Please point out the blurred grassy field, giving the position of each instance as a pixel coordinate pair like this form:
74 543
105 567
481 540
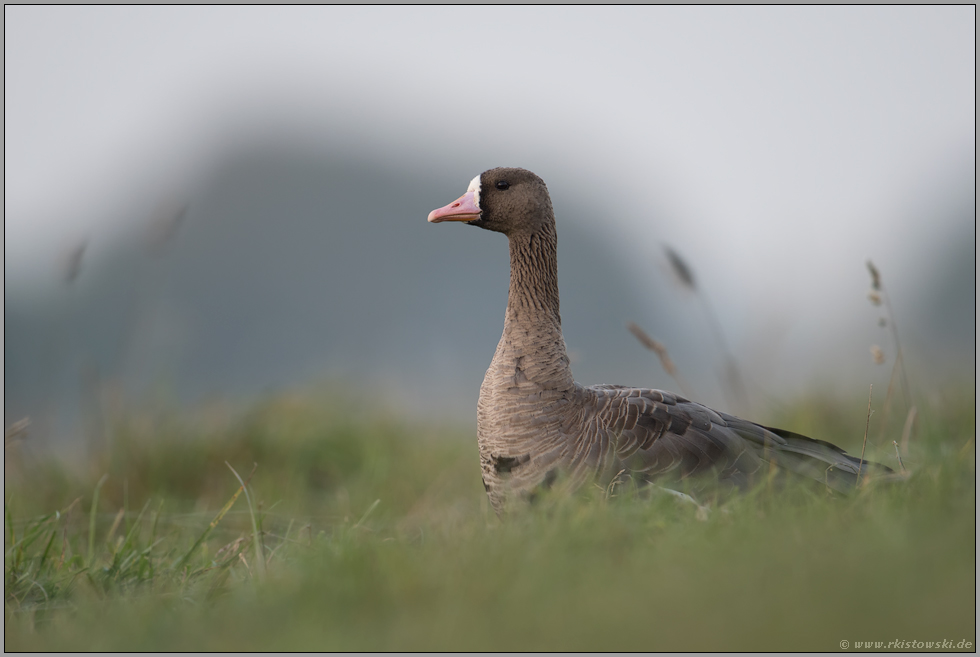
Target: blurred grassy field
374 534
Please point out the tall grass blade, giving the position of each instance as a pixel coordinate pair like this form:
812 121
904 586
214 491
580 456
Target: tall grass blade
256 537
214 523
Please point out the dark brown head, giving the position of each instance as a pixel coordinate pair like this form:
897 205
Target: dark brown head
505 200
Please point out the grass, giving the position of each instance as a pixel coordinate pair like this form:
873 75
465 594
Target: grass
356 534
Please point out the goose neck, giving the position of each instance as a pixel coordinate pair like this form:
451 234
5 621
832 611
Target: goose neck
533 295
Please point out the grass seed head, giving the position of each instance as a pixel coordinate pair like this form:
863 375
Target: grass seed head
875 276
680 268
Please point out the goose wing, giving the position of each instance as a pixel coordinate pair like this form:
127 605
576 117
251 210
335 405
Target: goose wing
654 434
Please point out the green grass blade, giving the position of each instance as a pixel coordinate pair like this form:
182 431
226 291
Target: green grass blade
30 535
156 520
10 523
47 548
91 519
370 509
137 524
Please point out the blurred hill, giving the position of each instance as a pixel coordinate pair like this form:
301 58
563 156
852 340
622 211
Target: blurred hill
288 267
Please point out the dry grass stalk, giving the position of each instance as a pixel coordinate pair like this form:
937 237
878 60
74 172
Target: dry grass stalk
879 295
611 488
16 430
658 348
866 425
71 265
247 567
889 396
734 383
771 474
655 346
899 455
230 547
115 525
165 224
907 429
256 536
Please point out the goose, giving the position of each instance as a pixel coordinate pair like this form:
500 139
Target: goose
535 423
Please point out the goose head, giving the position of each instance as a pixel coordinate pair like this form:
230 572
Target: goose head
505 200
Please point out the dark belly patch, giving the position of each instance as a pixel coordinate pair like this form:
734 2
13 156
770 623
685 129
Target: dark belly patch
504 464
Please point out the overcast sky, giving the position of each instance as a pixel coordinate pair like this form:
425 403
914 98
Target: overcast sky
808 135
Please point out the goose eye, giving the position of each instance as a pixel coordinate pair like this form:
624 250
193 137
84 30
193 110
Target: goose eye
503 184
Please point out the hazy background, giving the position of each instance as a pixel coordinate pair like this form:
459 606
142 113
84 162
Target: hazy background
216 202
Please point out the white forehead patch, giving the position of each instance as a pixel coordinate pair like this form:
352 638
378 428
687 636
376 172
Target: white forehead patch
475 187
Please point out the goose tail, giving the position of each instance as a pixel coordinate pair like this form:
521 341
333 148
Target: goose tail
822 461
